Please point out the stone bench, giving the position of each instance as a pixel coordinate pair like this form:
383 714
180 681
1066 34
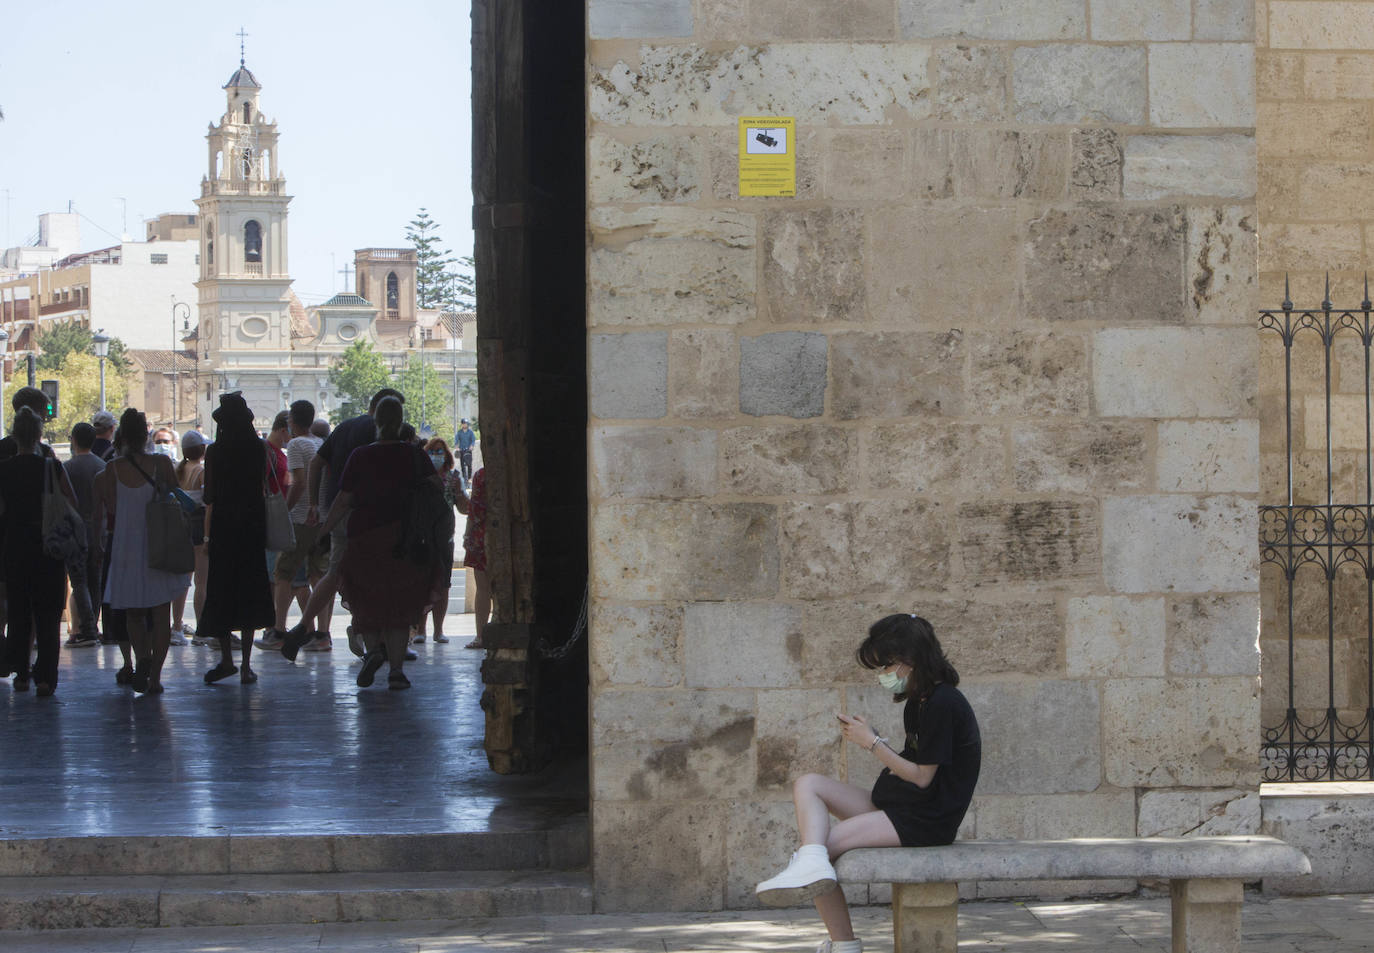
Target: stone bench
1206 877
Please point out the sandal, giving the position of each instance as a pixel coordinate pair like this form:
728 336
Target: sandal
222 670
440 638
247 676
474 644
397 681
124 676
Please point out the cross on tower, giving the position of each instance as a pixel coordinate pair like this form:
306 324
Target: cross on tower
241 35
346 271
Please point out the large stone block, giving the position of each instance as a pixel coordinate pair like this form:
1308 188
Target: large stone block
810 271
1221 264
741 644
784 19
1013 716
1166 166
1208 813
818 83
1335 130
1208 456
638 18
759 838
670 266
1227 99
797 733
1087 456
1130 20
1106 263
971 83
1111 636
839 549
1180 544
1296 247
1068 83
994 19
653 462
1214 635
933 265
1303 25
635 645
865 164
654 169
1329 190
653 552
1200 732
783 373
1335 833
1329 75
936 457
703 373
1280 75
673 745
1029 541
1095 164
1224 20
1029 373
629 374
1103 813
788 461
1175 372
660 855
981 637
897 374
993 164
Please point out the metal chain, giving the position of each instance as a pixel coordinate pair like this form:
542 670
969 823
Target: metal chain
579 629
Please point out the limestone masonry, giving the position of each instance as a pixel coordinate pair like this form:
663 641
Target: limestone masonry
995 363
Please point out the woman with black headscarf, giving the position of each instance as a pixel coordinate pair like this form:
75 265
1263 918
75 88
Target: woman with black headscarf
238 595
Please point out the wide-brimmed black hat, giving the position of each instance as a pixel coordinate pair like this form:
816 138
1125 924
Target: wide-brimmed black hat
232 409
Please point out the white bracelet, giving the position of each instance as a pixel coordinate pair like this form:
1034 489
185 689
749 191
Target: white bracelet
877 739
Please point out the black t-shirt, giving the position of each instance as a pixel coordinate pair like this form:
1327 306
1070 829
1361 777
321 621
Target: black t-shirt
942 731
338 447
21 487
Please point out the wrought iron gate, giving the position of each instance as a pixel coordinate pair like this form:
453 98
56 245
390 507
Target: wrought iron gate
1321 546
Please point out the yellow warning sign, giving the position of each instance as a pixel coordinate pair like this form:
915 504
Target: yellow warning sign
767 155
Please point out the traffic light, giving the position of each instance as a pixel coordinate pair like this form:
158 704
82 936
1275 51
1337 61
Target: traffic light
49 389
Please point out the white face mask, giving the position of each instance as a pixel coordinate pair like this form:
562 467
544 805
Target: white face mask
165 449
437 459
894 683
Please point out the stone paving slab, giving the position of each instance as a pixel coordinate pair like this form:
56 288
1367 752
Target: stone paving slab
1285 925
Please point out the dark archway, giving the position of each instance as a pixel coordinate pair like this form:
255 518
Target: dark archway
529 201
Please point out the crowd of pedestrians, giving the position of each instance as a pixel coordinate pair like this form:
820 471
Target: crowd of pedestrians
301 513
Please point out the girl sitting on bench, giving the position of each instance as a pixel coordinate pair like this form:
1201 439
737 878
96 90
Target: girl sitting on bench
919 799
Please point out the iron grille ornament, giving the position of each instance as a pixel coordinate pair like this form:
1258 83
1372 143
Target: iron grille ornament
1311 543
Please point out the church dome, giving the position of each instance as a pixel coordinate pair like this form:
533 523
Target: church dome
243 77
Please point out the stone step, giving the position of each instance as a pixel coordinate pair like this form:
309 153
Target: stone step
61 903
562 845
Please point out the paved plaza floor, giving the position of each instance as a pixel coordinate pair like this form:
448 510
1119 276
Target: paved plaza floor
303 751
1286 925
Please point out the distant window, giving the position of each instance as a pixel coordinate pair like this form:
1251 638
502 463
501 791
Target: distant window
252 241
190 219
158 258
393 292
197 259
210 252
247 113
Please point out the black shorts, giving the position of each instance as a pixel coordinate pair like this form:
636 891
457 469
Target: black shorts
900 801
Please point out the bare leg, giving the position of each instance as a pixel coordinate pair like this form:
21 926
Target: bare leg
326 612
281 601
322 597
179 610
160 637
202 574
246 673
481 603
396 640
873 829
439 610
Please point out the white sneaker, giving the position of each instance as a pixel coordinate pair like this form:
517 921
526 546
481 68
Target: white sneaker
177 637
841 946
809 875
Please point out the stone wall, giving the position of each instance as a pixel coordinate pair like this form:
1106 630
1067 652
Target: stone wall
995 364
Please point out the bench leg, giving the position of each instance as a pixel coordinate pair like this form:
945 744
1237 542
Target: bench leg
925 918
1206 915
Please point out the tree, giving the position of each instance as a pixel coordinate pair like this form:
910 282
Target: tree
462 286
428 400
432 263
357 374
79 381
56 343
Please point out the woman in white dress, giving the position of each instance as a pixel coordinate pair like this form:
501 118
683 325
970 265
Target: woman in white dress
126 487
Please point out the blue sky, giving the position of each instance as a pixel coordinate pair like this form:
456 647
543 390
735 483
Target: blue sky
110 101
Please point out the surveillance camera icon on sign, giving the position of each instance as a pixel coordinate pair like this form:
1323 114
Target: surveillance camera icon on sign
766 141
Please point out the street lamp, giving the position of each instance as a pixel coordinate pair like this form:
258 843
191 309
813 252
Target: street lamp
186 317
4 346
453 344
101 342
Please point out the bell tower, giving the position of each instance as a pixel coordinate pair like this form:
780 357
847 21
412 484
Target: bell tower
244 283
